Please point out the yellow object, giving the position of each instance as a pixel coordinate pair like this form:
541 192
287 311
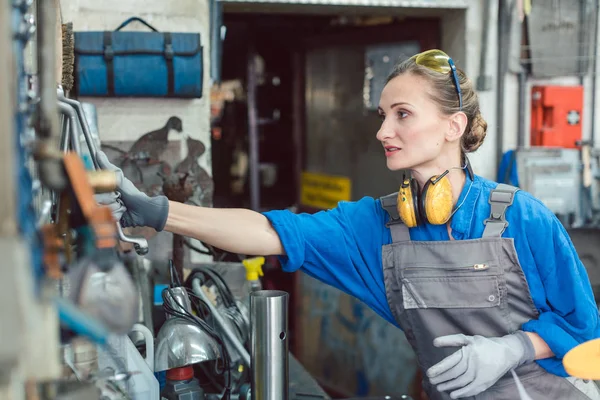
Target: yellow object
440 62
431 205
323 191
406 205
253 268
583 361
436 60
527 7
437 202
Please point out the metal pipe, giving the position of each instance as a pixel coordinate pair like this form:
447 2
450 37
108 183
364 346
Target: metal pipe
583 59
216 42
504 30
65 136
269 341
230 335
484 81
8 200
500 77
47 124
594 72
521 129
87 134
253 131
73 125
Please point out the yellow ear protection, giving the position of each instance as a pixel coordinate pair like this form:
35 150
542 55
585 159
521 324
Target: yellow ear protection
431 205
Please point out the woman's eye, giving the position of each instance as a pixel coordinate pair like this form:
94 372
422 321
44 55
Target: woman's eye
402 114
382 116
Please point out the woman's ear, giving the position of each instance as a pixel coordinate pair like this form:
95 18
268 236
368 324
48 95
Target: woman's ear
458 123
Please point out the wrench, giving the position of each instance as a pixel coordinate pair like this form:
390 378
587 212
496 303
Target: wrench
140 244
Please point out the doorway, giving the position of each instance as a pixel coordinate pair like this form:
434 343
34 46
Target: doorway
316 111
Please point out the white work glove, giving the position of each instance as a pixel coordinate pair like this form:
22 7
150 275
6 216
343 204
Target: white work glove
130 206
479 363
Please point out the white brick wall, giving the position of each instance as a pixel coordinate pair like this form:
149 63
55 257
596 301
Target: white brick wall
127 119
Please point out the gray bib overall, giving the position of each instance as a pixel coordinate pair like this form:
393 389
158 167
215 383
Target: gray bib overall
474 287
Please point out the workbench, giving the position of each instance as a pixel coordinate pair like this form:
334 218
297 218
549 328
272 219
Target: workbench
302 384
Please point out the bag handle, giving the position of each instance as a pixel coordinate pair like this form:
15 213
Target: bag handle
138 19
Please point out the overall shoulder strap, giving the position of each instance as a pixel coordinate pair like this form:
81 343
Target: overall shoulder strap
500 199
398 229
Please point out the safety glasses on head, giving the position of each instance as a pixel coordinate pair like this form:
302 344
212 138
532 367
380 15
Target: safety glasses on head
438 61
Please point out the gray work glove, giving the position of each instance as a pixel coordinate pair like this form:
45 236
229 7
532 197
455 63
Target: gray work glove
131 206
112 201
479 363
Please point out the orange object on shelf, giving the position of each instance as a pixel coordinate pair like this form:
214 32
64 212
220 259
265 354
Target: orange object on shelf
556 116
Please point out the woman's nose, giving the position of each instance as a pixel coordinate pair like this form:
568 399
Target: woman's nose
385 132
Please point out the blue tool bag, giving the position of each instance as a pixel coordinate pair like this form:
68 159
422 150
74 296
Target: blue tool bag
138 64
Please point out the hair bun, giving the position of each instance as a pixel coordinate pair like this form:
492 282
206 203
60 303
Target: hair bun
473 139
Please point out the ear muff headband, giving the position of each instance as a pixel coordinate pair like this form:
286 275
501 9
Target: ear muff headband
416 201
433 204
423 200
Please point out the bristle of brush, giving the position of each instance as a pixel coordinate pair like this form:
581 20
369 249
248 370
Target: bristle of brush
68 59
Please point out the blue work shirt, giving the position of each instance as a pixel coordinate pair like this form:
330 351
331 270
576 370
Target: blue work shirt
342 247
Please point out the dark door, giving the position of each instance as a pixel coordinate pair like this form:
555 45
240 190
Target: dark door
344 77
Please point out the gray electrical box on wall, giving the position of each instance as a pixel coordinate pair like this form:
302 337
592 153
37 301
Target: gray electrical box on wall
379 62
560 35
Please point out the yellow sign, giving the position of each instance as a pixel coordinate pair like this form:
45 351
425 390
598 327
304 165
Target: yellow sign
323 191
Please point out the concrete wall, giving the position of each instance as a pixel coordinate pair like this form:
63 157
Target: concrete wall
462 35
121 119
511 98
462 40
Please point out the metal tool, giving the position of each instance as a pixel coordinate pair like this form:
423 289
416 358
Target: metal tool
140 244
78 108
269 341
227 328
74 108
180 342
70 134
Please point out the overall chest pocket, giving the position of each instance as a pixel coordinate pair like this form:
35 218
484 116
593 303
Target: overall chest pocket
469 286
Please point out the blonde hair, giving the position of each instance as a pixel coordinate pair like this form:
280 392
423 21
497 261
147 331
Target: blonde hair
445 95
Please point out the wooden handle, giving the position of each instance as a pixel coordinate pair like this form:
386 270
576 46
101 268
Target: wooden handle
103 181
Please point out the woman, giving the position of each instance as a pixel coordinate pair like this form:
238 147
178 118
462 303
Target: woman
483 279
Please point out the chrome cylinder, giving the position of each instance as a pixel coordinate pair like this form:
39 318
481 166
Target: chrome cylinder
269 341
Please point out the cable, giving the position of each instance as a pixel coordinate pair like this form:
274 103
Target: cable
204 326
175 280
208 274
187 316
211 250
229 307
208 252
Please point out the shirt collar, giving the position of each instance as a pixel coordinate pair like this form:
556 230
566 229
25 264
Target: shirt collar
463 217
